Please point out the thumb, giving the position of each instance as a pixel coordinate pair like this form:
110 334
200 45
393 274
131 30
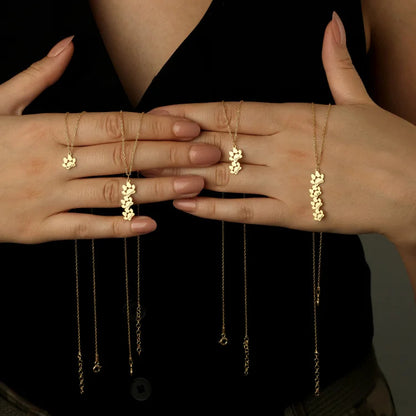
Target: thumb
345 83
18 92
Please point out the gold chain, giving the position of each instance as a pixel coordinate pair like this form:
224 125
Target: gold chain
139 314
224 339
70 144
318 178
97 366
70 161
246 339
128 190
234 169
235 154
78 315
315 192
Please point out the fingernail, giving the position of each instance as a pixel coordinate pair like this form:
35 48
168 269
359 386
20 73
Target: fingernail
187 205
188 185
338 30
143 225
60 46
203 154
159 112
186 128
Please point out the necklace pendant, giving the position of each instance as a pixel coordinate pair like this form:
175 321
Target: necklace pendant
317 179
69 162
235 155
126 203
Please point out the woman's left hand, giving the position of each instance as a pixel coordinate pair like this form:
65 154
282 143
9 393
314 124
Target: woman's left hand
369 159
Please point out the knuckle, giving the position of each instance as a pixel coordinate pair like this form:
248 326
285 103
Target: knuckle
158 189
81 231
111 125
173 155
33 71
157 128
346 63
117 228
118 155
111 191
222 175
212 209
220 118
216 139
245 214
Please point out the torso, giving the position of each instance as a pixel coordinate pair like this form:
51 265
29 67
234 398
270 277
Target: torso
140 36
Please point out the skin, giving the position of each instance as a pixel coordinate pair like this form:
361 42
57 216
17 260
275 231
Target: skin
370 184
37 193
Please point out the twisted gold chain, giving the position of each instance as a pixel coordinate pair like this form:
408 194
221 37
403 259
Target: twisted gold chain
128 190
234 169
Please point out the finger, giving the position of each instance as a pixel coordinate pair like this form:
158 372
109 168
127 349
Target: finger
244 210
109 160
255 118
344 81
257 150
106 192
76 226
250 180
96 128
18 92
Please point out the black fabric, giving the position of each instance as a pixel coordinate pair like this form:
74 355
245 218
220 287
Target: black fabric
256 51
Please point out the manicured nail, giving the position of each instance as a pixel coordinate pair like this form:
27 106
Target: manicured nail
186 128
159 112
203 154
187 205
338 30
188 185
60 46
143 225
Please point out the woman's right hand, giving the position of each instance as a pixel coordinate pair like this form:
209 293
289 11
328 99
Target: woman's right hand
38 195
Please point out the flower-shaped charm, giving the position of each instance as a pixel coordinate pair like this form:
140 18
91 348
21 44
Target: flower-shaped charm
69 162
317 179
235 155
127 191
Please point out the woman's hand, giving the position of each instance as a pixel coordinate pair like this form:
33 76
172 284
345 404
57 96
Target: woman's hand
37 193
368 160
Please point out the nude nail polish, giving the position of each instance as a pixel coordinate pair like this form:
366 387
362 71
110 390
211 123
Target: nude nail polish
338 30
60 47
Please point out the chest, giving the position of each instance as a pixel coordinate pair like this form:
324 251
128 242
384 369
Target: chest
140 36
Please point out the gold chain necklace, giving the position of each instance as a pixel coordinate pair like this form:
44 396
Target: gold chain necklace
235 167
316 180
127 191
69 162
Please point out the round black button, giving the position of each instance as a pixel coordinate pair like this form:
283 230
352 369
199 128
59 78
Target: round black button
140 389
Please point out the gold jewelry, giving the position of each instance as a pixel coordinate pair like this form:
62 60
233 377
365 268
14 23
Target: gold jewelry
128 189
128 214
97 366
70 161
139 314
246 345
79 353
224 339
235 154
318 178
234 169
316 288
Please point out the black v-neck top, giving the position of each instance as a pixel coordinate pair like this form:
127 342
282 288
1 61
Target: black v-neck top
266 51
